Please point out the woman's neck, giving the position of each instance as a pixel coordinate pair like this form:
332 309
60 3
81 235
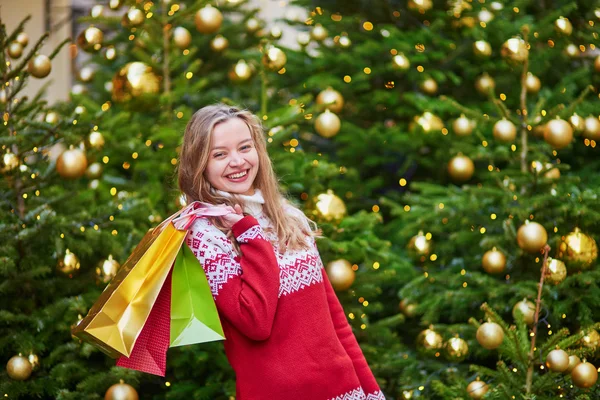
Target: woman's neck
253 204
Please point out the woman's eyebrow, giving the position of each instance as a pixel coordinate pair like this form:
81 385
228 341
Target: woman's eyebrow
224 147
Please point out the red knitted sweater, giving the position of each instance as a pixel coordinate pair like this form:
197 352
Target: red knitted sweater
286 333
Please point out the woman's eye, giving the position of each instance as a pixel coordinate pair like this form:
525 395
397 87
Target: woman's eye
217 155
246 147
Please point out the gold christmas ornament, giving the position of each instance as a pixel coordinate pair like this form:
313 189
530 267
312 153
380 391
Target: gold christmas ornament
39 66
429 86
573 362
456 349
563 26
557 360
577 123
23 39
484 83
15 50
572 50
252 25
110 53
477 389
420 5
303 38
527 308
333 99
115 4
400 61
9 162
558 133
597 64
505 131
94 171
275 32
19 368
461 168
327 124
429 122
329 207
344 41
90 40
429 342
481 48
591 340
132 18
71 164
485 16
578 250
121 391
107 269
78 89
274 58
340 274
182 37
591 128
407 394
407 308
208 19
532 237
551 171
240 72
532 83
494 261
318 32
420 246
463 126
219 43
96 140
490 335
515 49
97 11
584 375
557 271
86 74
135 79
69 264
34 360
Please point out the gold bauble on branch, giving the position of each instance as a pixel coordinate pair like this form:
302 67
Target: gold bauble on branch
340 274
531 237
515 49
573 362
107 269
327 124
333 99
39 66
591 129
532 83
400 61
557 360
90 40
275 32
429 86
303 38
344 41
110 53
494 261
97 11
481 48
240 72
115 4
572 50
484 83
19 368
556 272
9 162
591 340
429 342
133 17
505 131
71 164
558 133
219 43
69 263
420 5
563 26
274 58
253 25
577 122
328 207
121 391
86 74
96 140
456 349
15 50
485 16
318 32
94 171
461 168
527 308
477 389
578 250
584 375
182 37
420 246
34 360
408 308
490 335
208 19
135 79
429 122
23 39
463 126
551 172
597 64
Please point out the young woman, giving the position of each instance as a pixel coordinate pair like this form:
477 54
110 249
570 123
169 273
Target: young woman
287 337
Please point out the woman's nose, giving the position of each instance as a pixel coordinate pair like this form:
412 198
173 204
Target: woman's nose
236 159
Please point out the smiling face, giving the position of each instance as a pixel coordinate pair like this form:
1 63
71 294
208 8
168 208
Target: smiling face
233 160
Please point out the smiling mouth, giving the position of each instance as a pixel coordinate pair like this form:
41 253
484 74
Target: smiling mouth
238 175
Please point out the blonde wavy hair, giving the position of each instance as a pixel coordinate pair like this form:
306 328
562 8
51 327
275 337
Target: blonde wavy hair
290 225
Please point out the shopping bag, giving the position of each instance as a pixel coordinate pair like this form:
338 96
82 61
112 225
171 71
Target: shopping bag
194 316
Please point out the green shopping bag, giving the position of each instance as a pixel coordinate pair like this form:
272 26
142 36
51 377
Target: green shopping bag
194 316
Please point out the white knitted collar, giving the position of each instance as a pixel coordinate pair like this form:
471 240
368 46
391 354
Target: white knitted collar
253 204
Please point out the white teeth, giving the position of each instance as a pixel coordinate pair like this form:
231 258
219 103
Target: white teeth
239 175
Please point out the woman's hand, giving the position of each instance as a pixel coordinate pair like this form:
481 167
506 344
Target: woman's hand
232 218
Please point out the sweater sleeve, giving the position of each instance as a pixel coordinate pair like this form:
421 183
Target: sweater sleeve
346 337
246 287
